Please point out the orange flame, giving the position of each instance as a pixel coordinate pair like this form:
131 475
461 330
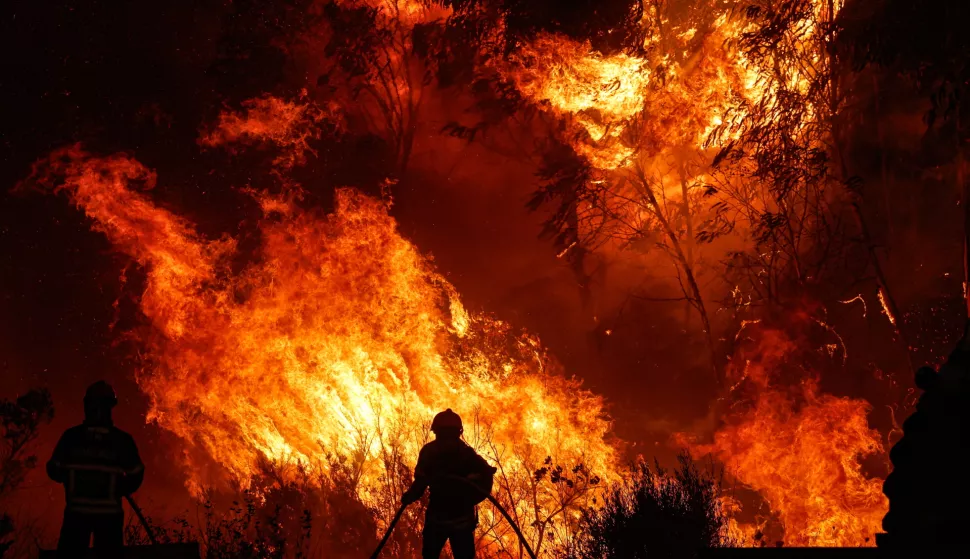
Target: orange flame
881 294
599 92
405 12
802 450
342 340
805 461
603 96
289 125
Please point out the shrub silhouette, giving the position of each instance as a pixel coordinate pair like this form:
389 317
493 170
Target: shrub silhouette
310 515
655 514
20 423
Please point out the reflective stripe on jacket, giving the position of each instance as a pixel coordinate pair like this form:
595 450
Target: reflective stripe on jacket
98 466
451 501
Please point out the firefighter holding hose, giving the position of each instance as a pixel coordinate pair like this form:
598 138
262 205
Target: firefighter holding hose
458 479
98 464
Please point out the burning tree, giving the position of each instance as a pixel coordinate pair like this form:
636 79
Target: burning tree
924 42
724 132
383 58
637 122
793 142
721 126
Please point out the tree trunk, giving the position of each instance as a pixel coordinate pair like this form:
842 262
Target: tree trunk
962 185
694 290
886 295
689 221
886 180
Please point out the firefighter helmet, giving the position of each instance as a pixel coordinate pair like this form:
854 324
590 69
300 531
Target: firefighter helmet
101 393
445 420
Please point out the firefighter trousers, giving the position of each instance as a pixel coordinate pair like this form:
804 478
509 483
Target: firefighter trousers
77 530
462 540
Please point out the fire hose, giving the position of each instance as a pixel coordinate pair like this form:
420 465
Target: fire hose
501 509
141 517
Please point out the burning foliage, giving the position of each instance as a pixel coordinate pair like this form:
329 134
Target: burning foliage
288 125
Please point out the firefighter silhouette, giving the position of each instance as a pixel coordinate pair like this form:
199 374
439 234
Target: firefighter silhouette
928 490
98 464
458 479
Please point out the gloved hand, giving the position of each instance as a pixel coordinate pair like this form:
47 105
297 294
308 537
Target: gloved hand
411 495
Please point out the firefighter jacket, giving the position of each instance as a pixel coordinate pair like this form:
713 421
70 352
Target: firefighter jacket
98 465
452 501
